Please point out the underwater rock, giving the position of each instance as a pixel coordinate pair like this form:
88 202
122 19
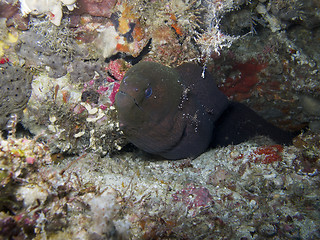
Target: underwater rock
7 10
83 71
310 105
10 11
96 8
46 45
175 113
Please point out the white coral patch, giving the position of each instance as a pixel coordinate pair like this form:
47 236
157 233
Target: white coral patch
51 7
30 194
107 41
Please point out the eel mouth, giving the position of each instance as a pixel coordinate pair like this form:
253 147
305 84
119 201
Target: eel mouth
124 99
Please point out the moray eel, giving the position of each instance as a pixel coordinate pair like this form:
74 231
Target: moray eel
175 113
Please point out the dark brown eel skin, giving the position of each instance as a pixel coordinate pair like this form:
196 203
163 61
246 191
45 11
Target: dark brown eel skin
176 113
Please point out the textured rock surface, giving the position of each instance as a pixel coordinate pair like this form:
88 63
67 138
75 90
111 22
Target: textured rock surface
246 191
15 90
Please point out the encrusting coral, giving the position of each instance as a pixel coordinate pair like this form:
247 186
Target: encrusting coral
15 90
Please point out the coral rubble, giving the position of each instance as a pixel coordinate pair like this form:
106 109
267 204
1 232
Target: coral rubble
230 192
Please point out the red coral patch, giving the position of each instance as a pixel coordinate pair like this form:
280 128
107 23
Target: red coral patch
241 86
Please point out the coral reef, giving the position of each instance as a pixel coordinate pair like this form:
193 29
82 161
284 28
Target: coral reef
76 177
277 51
67 77
19 160
229 192
71 120
46 45
123 34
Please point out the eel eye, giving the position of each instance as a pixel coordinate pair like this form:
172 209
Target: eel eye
148 92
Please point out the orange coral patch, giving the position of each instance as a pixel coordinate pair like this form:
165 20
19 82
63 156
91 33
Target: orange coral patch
177 29
138 32
123 25
122 48
175 25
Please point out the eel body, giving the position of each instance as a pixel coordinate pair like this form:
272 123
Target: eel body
175 113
